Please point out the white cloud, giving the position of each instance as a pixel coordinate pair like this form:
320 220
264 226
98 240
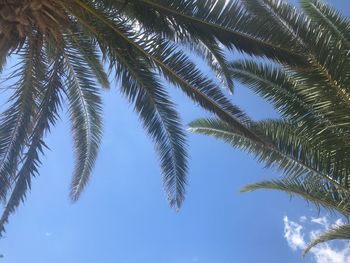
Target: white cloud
326 254
321 221
294 234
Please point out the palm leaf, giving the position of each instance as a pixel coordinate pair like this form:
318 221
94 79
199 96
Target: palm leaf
329 18
85 113
16 121
314 43
154 107
216 60
213 20
296 96
289 150
311 188
335 233
161 122
88 50
46 115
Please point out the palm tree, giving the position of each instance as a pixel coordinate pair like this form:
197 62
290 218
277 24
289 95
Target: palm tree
62 49
310 145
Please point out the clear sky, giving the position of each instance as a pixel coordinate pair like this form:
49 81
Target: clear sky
123 215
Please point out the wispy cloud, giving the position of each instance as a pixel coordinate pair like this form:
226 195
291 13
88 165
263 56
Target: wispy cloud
298 236
293 234
321 221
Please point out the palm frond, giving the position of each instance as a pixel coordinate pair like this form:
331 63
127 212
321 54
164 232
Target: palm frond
327 60
216 59
315 108
335 233
88 49
290 151
296 96
16 120
46 114
280 17
160 120
180 71
216 20
276 86
150 101
85 109
330 19
321 193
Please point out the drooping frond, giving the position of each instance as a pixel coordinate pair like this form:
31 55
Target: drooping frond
275 85
175 66
45 114
160 120
16 120
335 233
316 109
85 110
155 109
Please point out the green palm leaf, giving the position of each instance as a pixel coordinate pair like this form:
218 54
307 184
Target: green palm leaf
335 233
212 20
88 50
296 96
160 120
329 18
311 188
46 114
85 113
15 121
289 149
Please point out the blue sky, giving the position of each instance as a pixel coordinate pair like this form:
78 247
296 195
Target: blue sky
123 215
